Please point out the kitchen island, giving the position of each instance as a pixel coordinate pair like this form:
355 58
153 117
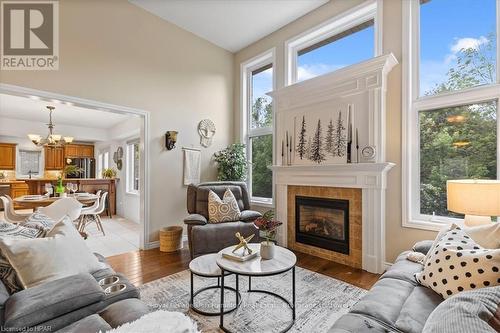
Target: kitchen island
90 185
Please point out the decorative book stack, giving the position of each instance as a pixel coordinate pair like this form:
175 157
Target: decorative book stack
239 255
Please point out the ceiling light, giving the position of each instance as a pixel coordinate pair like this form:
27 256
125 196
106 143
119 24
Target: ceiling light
51 140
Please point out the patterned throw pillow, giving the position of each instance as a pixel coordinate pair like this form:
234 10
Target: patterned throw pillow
40 222
7 273
458 263
225 210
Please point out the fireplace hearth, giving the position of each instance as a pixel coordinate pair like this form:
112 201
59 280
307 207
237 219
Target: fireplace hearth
322 222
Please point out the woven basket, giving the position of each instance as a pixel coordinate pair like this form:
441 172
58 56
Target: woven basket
170 239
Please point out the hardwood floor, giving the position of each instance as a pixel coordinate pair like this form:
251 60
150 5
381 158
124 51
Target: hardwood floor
141 267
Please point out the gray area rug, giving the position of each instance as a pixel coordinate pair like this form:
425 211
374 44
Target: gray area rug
321 300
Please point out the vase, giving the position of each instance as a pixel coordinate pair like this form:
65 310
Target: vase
267 250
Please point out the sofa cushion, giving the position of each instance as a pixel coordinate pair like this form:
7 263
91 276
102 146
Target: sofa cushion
92 323
403 269
223 210
423 246
376 303
416 309
50 300
355 323
474 311
124 311
249 215
62 253
458 263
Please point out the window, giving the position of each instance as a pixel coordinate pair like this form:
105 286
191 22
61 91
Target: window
102 163
133 167
346 39
29 162
451 99
258 125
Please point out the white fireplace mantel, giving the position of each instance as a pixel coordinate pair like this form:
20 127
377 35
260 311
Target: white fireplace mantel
370 177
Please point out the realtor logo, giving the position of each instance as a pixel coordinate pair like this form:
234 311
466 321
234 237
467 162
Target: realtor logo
29 35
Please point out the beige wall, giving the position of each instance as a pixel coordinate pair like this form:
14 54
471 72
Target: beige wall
397 237
115 52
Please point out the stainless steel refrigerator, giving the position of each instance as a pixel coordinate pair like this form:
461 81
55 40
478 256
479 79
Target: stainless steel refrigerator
87 165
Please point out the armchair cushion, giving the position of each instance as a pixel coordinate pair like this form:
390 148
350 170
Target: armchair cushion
195 219
249 215
50 300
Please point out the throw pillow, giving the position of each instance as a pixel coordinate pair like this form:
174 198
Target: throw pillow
473 311
457 263
7 274
62 253
225 210
488 235
39 221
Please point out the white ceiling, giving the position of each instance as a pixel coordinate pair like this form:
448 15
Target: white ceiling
230 24
17 107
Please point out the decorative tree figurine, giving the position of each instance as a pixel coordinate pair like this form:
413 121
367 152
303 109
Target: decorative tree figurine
329 138
339 140
317 154
308 148
301 146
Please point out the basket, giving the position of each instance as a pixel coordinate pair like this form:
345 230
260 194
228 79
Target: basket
170 239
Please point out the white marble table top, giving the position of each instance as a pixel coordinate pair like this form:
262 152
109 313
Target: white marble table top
205 265
283 260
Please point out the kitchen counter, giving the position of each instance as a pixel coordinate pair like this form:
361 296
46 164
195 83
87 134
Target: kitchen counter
11 181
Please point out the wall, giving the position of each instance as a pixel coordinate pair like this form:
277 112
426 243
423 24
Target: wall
397 237
115 52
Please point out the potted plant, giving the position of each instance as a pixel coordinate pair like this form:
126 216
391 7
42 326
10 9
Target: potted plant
269 226
232 163
71 170
109 173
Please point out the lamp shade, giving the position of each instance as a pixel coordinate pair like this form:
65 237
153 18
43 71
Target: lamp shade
474 197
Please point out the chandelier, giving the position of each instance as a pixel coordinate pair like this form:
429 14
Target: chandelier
52 140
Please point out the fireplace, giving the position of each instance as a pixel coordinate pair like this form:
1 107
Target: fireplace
322 222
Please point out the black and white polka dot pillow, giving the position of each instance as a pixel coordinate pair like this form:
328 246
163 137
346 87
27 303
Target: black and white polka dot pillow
458 263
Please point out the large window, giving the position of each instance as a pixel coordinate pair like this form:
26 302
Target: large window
344 40
102 163
132 173
29 163
451 102
258 112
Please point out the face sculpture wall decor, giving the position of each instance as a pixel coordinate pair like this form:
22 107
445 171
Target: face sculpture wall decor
206 129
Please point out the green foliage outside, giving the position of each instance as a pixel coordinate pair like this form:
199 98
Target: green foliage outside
458 142
262 149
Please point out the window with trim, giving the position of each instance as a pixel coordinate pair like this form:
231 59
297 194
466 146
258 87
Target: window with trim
29 163
259 127
452 98
342 41
132 174
102 163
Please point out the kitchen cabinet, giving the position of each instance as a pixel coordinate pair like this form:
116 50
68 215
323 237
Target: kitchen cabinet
18 189
78 151
7 156
54 158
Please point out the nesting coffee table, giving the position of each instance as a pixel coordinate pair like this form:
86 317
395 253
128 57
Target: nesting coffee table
283 261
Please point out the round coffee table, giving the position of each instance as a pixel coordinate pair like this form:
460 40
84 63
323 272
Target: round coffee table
206 266
283 261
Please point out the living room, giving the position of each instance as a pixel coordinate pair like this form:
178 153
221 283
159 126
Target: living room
282 116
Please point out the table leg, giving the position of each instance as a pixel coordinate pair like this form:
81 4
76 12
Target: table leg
249 283
192 290
237 289
221 324
293 291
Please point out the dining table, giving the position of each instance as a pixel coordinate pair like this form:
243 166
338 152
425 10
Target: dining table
35 201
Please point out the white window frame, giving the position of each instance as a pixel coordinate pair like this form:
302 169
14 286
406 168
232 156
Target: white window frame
130 167
102 161
369 10
40 163
246 132
412 104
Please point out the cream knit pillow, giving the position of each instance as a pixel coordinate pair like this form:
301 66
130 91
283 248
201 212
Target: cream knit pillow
225 210
458 263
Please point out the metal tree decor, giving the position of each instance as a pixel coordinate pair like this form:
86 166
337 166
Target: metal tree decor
317 154
339 140
301 146
329 140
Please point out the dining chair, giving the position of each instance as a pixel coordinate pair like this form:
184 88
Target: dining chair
93 215
88 210
10 214
63 207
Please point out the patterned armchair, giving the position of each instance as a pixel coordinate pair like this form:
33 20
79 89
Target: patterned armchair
204 237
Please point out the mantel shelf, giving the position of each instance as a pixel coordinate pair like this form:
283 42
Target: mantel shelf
364 168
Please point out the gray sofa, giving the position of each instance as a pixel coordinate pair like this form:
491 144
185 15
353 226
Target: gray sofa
73 304
204 237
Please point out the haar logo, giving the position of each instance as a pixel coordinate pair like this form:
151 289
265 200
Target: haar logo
30 35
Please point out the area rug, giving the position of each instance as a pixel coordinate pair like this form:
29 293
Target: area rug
321 300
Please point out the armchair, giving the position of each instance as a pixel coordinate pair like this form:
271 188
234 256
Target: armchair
204 237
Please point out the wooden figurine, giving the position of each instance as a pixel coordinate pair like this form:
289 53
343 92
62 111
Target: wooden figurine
243 243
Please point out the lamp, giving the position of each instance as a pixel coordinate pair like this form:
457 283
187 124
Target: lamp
477 199
170 139
52 140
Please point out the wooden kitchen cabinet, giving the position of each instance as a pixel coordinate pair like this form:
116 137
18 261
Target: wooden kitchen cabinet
78 151
18 189
7 156
54 158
